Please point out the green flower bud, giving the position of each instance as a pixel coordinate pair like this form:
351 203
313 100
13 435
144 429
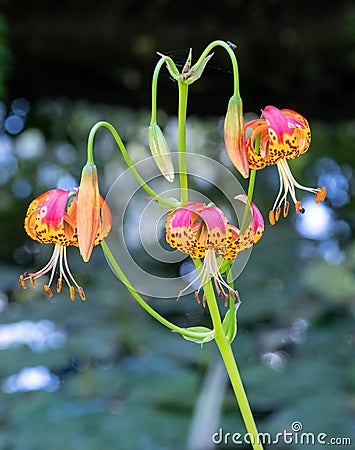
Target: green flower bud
160 152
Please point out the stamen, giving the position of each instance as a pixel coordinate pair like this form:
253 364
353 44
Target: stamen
321 194
59 253
81 293
47 290
272 217
290 184
298 207
22 282
72 293
179 295
59 285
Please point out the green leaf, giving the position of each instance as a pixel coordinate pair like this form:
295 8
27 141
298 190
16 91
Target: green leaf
230 323
203 335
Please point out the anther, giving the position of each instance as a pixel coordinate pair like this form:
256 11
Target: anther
272 217
47 290
204 300
81 293
22 282
321 194
72 293
32 281
299 209
286 208
231 292
179 295
59 285
278 212
197 298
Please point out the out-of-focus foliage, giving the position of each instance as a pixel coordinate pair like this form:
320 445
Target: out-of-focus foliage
103 374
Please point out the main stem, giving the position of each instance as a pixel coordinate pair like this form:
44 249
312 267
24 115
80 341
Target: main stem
183 91
226 352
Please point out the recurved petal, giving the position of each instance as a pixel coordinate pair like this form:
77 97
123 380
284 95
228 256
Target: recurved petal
301 128
277 123
44 217
257 220
213 229
180 232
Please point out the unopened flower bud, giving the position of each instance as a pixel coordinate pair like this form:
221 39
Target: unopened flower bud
234 136
160 152
88 212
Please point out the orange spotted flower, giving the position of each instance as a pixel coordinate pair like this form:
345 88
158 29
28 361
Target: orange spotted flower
204 232
52 219
278 136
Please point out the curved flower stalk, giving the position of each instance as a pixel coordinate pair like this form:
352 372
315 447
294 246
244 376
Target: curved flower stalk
278 136
52 218
204 232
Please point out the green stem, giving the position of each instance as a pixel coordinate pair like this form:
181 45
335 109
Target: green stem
226 352
251 187
143 304
233 59
142 183
183 92
163 60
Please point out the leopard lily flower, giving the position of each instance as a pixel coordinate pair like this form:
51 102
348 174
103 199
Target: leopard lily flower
52 218
278 136
204 232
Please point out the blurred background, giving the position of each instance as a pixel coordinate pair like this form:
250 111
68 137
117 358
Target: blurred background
103 374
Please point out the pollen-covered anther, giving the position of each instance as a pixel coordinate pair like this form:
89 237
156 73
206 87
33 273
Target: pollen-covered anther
179 295
59 285
81 293
272 217
32 281
321 194
286 208
299 209
72 293
278 213
22 282
48 290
